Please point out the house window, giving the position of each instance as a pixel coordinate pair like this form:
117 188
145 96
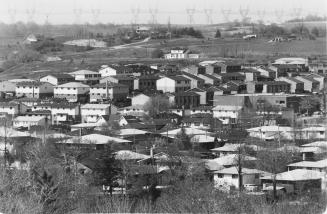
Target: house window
220 175
234 176
256 176
322 132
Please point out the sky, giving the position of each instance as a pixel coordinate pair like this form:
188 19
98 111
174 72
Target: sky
120 11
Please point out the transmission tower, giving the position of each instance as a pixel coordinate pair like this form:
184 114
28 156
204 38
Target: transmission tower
226 13
190 14
244 12
261 15
153 15
12 14
208 13
30 14
279 15
95 14
135 13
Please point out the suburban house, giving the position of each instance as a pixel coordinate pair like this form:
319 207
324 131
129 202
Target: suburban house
60 112
121 79
228 114
187 100
12 109
86 76
114 70
196 82
109 90
34 89
91 112
209 79
275 87
310 84
146 82
72 91
320 78
294 181
173 84
228 178
29 121
194 69
181 54
297 86
57 79
320 166
202 93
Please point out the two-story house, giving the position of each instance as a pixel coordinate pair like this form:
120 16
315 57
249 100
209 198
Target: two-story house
228 114
34 89
12 109
146 82
86 76
73 91
187 100
29 121
210 79
173 84
90 113
109 90
57 79
275 87
297 86
121 79
196 82
310 84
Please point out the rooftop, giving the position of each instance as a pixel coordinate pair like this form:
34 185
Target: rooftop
73 85
312 164
245 171
60 76
297 175
83 72
97 139
95 106
28 118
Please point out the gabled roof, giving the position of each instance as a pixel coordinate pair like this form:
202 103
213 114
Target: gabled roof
245 171
83 72
297 175
227 108
293 79
312 164
232 159
185 93
129 132
31 83
73 85
120 77
95 106
178 78
60 76
129 155
109 85
195 90
28 118
228 148
308 79
191 76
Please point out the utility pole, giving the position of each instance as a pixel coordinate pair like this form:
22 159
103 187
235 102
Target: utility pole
190 13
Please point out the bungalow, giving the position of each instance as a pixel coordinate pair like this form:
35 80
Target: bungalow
187 100
86 76
57 79
196 82
72 91
34 89
91 112
173 84
228 114
320 166
12 109
310 84
228 178
109 90
297 86
29 121
121 79
298 180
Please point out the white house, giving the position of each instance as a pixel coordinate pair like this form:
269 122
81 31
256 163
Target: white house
57 79
106 71
173 84
140 99
228 114
73 91
320 166
310 84
181 54
227 149
91 112
108 90
94 139
28 121
34 89
86 76
12 109
228 178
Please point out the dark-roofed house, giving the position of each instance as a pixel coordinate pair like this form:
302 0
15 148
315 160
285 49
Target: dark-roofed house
202 93
187 100
297 86
57 79
276 87
146 82
196 82
310 84
109 90
173 84
121 79
194 69
209 79
226 77
34 89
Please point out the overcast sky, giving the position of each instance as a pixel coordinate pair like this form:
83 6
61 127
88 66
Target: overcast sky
120 11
